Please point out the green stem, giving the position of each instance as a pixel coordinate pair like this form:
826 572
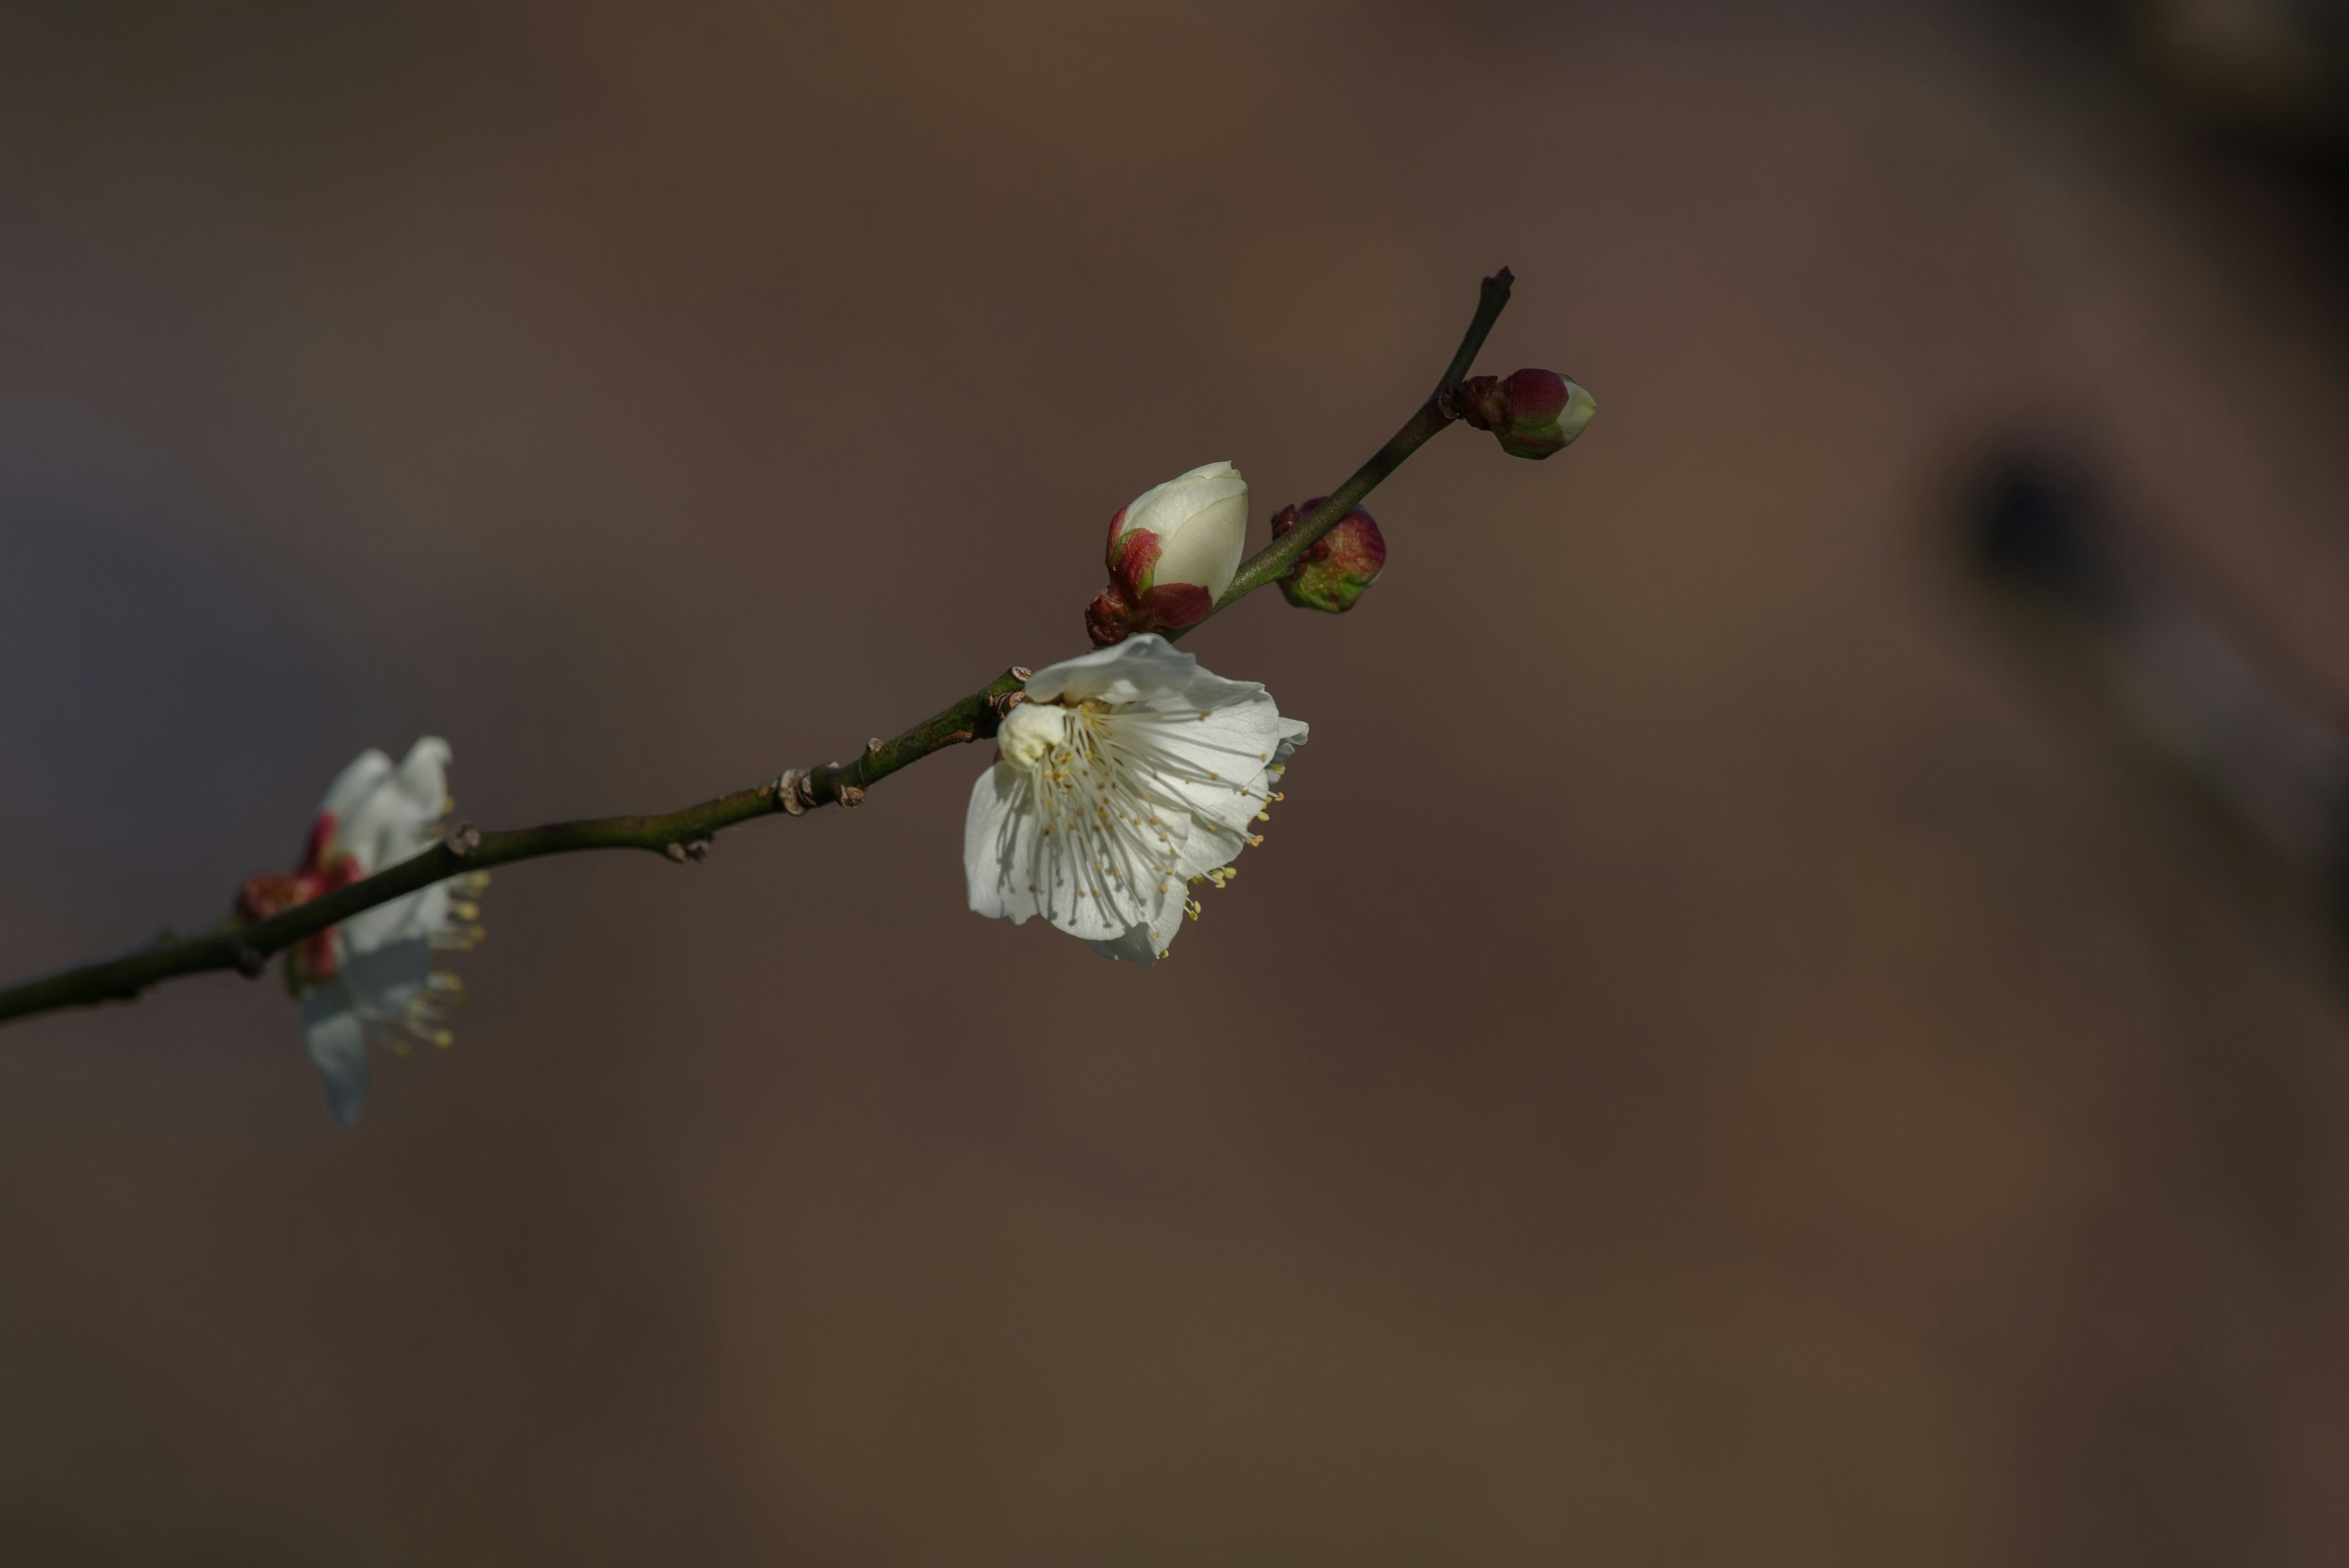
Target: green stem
684 834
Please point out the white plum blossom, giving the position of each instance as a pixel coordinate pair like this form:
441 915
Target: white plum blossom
1124 776
371 977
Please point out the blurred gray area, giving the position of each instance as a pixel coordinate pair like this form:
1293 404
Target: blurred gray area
1727 1055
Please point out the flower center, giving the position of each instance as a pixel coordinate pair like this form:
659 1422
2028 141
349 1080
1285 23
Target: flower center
1034 730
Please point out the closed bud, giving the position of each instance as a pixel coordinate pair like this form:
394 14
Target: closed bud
1172 550
1532 413
1336 568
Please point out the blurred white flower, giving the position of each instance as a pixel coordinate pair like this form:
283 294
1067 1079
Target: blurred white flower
371 978
1125 777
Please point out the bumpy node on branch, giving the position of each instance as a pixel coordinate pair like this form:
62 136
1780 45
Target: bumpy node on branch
795 792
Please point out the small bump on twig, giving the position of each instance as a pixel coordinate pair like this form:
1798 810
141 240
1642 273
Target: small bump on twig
463 839
1022 673
250 963
1004 701
797 790
699 850
851 797
675 851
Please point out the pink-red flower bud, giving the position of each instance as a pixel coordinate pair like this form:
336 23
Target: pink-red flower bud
1532 413
1336 568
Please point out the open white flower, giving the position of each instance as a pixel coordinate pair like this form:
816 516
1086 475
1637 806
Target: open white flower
1125 776
371 978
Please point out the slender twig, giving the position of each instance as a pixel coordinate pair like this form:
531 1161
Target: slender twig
684 834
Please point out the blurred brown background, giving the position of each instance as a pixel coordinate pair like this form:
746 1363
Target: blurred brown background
1720 1061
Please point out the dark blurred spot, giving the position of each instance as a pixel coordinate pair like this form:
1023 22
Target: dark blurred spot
2034 521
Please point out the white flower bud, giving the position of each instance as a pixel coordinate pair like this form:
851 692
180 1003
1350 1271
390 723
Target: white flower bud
1190 530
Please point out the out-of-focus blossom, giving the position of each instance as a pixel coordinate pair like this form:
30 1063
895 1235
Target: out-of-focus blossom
1125 776
370 979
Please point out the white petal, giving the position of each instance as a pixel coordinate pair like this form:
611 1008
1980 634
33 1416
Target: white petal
336 1044
423 777
384 983
1026 852
1580 409
391 822
419 915
999 847
354 783
1136 946
1206 549
1182 760
1165 508
1209 763
1141 668
1097 873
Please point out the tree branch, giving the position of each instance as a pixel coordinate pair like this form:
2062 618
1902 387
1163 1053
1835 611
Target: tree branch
684 834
